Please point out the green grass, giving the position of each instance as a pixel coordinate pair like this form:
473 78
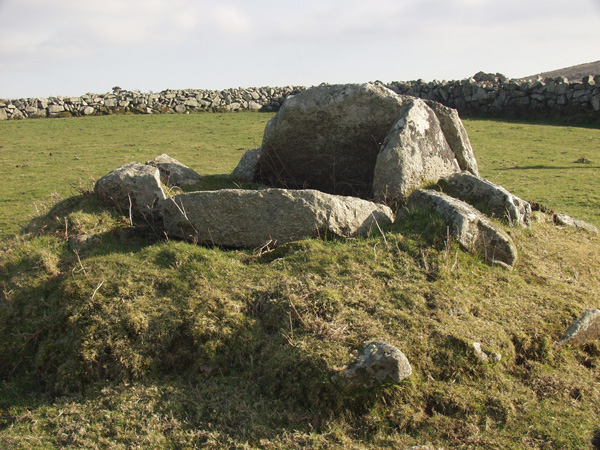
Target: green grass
536 161
133 342
39 158
42 157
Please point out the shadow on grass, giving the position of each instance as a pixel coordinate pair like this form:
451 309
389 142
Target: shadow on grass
217 182
83 215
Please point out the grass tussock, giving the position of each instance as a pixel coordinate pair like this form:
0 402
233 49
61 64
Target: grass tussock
125 342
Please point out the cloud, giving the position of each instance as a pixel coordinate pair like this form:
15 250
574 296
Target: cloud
314 39
231 20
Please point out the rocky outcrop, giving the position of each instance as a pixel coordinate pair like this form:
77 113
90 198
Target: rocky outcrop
328 138
583 330
172 172
133 188
270 217
378 364
471 229
487 197
415 151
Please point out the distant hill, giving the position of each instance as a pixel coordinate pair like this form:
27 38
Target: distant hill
573 72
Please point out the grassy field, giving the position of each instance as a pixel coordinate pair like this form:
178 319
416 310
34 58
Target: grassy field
133 342
538 163
42 157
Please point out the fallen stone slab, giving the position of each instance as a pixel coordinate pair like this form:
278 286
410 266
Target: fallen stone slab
132 187
487 197
328 138
414 152
456 135
378 364
246 169
583 330
472 230
568 221
172 172
257 218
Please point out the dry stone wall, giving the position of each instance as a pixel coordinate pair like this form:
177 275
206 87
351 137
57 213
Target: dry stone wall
494 95
169 101
483 94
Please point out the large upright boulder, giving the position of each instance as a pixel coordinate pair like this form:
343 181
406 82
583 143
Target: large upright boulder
471 229
252 219
132 187
328 138
415 152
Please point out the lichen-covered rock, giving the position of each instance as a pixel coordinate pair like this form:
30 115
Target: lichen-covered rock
583 330
252 219
172 172
134 187
379 363
456 135
568 221
415 151
246 169
472 230
487 197
328 138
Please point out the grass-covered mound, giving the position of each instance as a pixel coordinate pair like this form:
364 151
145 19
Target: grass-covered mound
128 341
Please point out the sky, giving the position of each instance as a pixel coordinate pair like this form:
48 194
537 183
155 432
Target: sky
71 47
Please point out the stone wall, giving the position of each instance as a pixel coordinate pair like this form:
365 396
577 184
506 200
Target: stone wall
169 101
483 94
496 96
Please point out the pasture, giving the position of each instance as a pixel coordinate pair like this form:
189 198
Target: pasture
44 160
136 342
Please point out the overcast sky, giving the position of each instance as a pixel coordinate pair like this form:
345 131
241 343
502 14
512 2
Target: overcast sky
70 47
